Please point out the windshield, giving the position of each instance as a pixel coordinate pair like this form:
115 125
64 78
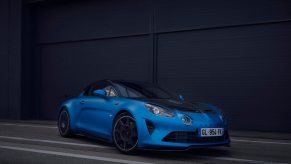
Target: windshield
142 90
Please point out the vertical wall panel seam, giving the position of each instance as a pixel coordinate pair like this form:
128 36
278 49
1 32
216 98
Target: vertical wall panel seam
8 58
154 42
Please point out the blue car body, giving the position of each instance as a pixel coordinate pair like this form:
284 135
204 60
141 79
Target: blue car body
95 115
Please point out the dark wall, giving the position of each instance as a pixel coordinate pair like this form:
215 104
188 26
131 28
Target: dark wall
234 68
177 15
67 68
4 58
81 42
10 58
234 54
83 20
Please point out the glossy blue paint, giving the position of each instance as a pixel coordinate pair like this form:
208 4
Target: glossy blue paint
182 99
100 92
95 115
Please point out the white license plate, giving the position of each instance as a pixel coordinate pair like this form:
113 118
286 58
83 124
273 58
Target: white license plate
211 132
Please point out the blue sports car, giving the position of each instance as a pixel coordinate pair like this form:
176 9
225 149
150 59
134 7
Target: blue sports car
137 115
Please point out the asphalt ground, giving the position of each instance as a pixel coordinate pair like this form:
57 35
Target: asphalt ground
38 142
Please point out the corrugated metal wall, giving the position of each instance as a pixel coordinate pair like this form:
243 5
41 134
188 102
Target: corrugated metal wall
235 54
10 59
81 42
4 12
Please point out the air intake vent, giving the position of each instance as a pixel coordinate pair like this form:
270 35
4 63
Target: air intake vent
150 127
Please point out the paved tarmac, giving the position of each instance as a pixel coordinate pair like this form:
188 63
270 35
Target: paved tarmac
38 142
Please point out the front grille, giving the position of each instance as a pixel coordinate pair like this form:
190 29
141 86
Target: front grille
192 137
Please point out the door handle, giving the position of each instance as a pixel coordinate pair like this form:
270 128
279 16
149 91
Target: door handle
82 102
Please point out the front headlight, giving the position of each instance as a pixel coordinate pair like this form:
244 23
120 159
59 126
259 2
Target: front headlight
222 117
159 110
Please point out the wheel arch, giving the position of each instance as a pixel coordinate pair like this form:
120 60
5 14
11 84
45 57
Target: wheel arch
63 107
120 112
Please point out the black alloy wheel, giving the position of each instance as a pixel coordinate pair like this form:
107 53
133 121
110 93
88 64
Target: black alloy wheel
64 124
125 133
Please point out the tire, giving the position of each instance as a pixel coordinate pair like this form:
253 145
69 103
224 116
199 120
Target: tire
64 124
125 136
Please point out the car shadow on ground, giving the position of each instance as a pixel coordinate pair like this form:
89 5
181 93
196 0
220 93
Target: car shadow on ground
185 154
164 154
93 140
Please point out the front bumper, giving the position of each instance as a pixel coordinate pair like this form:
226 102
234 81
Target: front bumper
171 133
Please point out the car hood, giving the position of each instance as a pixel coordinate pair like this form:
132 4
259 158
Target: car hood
180 106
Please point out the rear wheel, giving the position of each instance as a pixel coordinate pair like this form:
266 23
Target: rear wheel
64 124
125 133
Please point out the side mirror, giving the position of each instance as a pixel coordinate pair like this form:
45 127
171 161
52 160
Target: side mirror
99 92
181 98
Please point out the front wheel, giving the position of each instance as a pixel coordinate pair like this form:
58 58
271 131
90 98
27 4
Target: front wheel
125 133
64 124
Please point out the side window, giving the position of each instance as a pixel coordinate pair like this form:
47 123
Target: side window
110 91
